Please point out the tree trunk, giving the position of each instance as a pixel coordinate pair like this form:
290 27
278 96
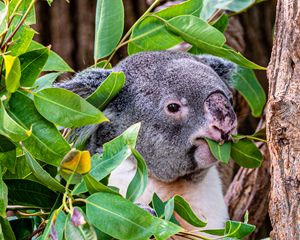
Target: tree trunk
283 122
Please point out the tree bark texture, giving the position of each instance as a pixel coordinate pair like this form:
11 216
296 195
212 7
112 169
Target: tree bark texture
283 122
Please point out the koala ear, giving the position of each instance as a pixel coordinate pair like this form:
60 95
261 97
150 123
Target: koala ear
86 82
222 67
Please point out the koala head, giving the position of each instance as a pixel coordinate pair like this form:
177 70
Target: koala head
180 99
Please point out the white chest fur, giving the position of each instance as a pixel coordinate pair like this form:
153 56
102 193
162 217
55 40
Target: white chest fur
205 197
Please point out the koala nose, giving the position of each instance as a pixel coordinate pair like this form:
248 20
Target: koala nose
221 119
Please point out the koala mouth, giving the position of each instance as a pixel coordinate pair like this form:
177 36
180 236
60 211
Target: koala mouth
201 155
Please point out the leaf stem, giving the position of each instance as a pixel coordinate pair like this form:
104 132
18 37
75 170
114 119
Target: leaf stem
18 26
153 5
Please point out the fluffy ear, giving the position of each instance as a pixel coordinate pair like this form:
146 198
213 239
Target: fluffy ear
222 67
86 82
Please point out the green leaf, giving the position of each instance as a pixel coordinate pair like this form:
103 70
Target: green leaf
22 227
189 33
259 136
108 89
54 63
45 142
94 186
245 81
43 176
32 64
10 128
133 222
246 154
238 230
65 108
58 219
6 231
3 196
210 6
81 232
151 33
220 152
159 206
46 81
21 41
7 154
183 209
138 184
3 15
102 63
21 11
29 193
109 26
169 209
114 153
221 23
12 73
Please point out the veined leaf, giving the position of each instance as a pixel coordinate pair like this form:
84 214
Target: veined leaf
220 152
246 154
12 73
114 153
65 108
10 128
7 154
58 219
21 11
107 90
109 26
244 80
138 184
238 230
78 228
119 213
46 81
187 32
6 230
45 142
43 176
32 64
3 196
54 62
210 6
29 193
151 34
21 41
94 186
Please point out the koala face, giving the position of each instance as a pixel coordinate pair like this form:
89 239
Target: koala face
180 100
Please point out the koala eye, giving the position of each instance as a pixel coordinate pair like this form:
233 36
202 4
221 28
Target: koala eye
173 107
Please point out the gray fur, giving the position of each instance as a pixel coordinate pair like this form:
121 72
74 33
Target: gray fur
152 78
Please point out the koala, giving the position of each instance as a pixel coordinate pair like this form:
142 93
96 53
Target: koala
180 99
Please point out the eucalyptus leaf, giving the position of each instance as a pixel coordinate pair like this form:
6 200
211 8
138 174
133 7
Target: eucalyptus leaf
46 81
58 219
220 152
3 196
6 231
151 34
25 4
32 64
10 128
221 23
238 230
94 186
246 154
65 108
43 176
54 62
12 73
114 153
45 142
7 154
108 89
133 222
84 231
189 34
139 182
109 26
21 40
29 193
245 81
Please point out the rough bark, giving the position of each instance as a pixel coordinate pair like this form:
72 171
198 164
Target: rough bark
283 122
